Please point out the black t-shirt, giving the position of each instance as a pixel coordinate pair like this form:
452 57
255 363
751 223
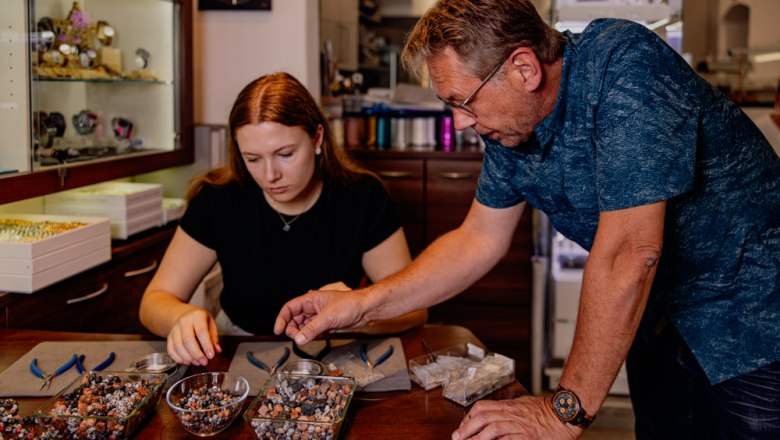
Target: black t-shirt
264 266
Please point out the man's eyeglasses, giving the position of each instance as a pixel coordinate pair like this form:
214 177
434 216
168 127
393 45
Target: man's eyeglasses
463 105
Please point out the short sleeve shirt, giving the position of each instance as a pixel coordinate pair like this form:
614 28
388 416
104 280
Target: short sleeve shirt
633 125
264 266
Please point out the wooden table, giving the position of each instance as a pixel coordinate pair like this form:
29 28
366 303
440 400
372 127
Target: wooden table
390 415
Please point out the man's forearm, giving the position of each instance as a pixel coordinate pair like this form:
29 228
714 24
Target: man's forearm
448 266
616 284
605 330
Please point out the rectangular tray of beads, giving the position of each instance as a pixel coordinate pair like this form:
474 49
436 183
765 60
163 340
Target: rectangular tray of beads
116 404
316 407
29 236
39 250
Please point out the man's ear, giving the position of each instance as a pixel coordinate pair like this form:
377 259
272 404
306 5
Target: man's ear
524 62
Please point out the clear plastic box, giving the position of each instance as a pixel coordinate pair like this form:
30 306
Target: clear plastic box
465 371
480 379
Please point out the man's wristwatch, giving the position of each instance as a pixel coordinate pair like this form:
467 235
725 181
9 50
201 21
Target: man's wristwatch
566 406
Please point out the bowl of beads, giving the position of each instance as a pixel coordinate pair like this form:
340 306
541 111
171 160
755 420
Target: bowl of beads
105 405
300 406
207 403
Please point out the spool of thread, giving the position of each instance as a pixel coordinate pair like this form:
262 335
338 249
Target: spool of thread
419 136
446 133
353 131
382 131
402 132
370 133
430 130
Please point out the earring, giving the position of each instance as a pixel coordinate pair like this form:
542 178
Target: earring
317 151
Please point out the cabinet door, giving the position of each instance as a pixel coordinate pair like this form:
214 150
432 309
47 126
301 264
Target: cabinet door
71 305
404 181
129 278
450 190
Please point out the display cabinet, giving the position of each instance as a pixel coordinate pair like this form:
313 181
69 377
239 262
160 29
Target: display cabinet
92 90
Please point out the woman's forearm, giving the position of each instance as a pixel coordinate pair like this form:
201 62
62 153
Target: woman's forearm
160 310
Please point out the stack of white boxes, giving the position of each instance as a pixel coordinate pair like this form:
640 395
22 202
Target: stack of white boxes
132 207
28 264
568 260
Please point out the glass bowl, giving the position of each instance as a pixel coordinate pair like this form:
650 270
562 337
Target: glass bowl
207 403
300 406
118 403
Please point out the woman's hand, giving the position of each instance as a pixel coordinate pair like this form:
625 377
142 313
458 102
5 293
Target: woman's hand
194 338
527 417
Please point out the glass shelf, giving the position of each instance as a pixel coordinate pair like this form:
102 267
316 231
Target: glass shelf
104 81
90 82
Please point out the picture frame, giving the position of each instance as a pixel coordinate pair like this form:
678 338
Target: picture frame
234 5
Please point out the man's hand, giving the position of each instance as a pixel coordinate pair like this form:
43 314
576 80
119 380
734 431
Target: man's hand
527 417
305 317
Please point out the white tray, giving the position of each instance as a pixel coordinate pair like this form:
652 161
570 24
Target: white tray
114 194
93 227
123 230
173 209
124 213
24 266
32 283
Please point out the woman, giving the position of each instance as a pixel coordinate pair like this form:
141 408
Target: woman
289 213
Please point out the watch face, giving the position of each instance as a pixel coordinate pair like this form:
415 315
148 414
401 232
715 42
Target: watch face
566 405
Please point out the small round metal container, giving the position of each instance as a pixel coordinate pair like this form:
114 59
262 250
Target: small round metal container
303 366
155 363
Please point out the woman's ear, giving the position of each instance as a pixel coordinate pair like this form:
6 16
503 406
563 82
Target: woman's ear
525 63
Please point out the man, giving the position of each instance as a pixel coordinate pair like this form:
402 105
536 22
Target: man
669 185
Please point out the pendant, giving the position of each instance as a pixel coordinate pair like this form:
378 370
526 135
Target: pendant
286 227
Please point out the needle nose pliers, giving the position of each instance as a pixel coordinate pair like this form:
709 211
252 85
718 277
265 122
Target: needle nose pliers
100 367
371 364
259 364
47 378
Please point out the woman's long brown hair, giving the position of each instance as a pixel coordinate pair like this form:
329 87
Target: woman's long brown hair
280 98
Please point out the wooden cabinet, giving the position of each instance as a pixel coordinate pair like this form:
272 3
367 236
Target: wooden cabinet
104 299
404 179
433 192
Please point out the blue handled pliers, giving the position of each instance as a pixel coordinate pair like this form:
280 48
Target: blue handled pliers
47 378
259 364
364 355
101 366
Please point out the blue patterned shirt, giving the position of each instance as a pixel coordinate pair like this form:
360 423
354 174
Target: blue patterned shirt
634 124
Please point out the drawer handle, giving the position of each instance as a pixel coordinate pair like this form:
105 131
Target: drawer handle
134 273
455 175
99 292
395 174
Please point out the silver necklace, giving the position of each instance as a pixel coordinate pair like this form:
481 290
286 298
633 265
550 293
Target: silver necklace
287 223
